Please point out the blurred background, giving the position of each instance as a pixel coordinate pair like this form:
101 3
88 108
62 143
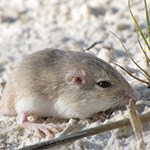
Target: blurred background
30 25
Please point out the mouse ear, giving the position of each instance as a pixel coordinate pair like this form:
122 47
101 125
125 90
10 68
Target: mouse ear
72 78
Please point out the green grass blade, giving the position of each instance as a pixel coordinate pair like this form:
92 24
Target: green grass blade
147 19
138 27
142 49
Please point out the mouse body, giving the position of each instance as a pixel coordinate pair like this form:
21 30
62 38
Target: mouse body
64 84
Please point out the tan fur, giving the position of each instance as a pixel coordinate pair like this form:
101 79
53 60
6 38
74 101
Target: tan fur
38 85
8 100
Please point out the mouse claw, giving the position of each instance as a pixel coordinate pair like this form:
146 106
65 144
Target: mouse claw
48 130
42 132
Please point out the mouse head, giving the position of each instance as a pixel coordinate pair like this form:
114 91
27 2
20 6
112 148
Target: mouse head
97 86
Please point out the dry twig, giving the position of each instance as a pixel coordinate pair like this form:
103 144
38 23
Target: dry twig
84 133
91 46
136 124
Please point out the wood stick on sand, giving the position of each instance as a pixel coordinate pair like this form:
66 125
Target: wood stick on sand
136 125
84 133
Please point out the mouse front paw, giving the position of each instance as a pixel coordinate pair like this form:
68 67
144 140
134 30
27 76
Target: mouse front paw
41 129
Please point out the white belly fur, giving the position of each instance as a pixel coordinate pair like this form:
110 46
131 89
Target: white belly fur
35 104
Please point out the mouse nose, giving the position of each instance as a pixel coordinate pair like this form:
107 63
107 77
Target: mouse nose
125 96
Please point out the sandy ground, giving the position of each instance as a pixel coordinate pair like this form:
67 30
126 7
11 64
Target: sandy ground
30 25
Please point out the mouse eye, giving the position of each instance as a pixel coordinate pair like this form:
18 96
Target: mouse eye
104 84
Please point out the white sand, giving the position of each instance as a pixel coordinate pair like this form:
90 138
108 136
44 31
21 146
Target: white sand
28 26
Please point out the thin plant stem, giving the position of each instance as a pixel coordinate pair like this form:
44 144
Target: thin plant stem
147 19
145 74
128 72
93 45
144 52
137 26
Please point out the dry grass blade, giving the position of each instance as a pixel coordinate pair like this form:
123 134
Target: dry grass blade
144 72
136 124
128 72
91 46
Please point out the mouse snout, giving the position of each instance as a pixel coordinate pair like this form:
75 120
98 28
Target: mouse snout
125 96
